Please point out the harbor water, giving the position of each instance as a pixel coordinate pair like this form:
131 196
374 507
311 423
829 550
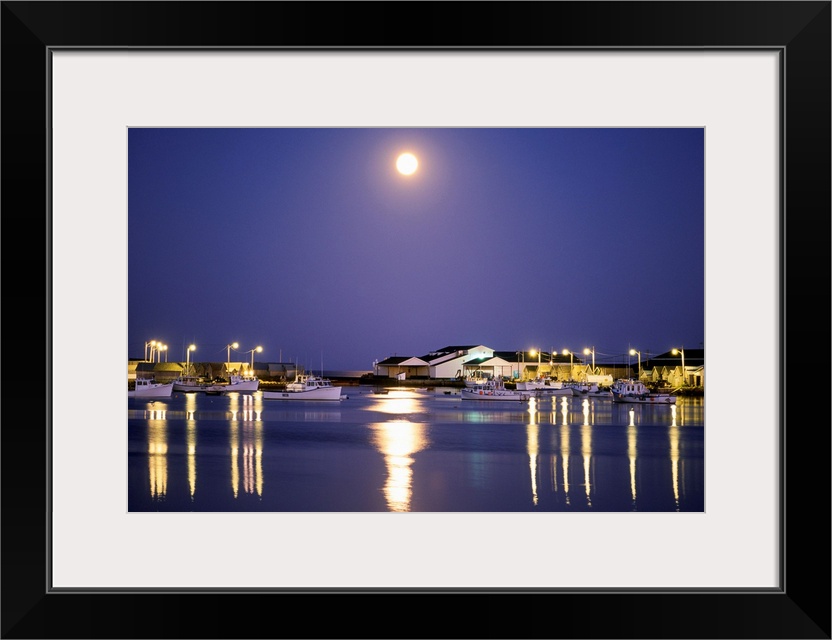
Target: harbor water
413 450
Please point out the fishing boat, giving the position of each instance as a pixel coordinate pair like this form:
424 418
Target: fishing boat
590 390
477 379
243 383
149 388
306 387
546 386
636 392
494 391
194 384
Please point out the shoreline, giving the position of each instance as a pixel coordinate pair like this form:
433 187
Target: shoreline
429 383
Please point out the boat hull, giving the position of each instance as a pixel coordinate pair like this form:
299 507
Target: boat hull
636 392
321 393
152 391
180 387
245 386
554 391
645 399
545 388
494 395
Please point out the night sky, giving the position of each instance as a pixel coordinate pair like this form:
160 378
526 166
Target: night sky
310 243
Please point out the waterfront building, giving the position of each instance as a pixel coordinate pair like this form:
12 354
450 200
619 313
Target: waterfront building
465 361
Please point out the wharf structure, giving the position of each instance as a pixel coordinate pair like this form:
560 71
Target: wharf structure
167 371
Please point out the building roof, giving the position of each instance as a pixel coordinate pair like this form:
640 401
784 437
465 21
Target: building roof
488 360
447 353
393 360
545 357
150 367
693 358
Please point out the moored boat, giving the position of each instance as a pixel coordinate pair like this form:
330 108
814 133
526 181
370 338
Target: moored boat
306 387
149 388
636 392
243 383
590 390
545 387
477 379
194 384
494 390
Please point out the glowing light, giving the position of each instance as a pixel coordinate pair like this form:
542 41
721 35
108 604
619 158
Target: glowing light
407 164
398 402
532 446
190 437
398 441
631 454
674 462
235 450
157 449
586 451
258 456
564 454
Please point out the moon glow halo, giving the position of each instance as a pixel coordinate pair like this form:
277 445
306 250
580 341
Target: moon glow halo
407 164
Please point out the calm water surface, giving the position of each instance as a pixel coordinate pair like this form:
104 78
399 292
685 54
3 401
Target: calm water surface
413 450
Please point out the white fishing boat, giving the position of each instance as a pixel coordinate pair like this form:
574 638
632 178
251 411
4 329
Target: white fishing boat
194 384
546 386
477 379
494 391
306 387
149 388
590 390
635 392
243 383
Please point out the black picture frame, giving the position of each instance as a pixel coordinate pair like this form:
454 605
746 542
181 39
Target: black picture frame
800 31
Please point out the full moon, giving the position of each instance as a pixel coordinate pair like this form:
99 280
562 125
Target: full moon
407 163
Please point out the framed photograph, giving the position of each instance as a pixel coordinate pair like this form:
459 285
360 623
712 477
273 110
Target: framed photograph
753 76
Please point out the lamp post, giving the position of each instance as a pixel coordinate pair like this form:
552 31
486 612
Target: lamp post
251 351
229 347
567 352
634 352
161 347
150 344
591 350
188 359
682 352
519 353
533 352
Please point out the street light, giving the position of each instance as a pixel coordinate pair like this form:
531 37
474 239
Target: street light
632 353
188 359
536 351
160 348
677 352
229 347
567 352
251 351
150 344
587 351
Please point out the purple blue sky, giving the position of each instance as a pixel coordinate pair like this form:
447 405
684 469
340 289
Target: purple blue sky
310 243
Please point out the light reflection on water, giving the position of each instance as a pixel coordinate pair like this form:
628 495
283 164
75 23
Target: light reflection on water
398 403
398 440
157 457
533 446
412 450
